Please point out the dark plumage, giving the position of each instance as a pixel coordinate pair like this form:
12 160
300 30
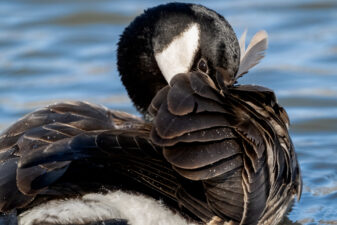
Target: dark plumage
214 150
65 131
234 141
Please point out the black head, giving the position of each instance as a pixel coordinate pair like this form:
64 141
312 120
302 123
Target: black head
171 39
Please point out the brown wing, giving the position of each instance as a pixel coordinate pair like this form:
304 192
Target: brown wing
64 149
234 140
68 126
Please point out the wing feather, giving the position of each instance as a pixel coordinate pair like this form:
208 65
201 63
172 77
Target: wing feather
240 180
37 151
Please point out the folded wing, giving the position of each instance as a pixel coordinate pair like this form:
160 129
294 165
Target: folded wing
39 149
235 141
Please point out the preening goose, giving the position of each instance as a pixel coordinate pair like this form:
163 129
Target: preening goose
212 149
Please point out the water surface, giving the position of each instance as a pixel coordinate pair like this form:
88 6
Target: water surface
61 50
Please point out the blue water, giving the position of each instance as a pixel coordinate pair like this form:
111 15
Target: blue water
58 50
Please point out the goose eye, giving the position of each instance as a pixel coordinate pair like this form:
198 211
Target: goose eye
202 66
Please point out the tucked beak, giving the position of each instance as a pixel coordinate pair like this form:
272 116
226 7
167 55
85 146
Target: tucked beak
223 78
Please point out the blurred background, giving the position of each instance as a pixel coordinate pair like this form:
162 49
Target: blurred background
58 50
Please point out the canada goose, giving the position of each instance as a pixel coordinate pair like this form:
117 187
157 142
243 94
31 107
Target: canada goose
217 151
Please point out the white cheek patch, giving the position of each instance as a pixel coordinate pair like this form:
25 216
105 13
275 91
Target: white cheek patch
178 56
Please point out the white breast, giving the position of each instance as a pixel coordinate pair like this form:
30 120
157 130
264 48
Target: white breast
136 209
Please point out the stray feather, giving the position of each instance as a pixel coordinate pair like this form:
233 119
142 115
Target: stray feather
254 52
242 43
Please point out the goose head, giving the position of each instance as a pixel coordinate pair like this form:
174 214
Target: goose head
170 39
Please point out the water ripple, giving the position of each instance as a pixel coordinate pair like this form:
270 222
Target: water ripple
58 50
